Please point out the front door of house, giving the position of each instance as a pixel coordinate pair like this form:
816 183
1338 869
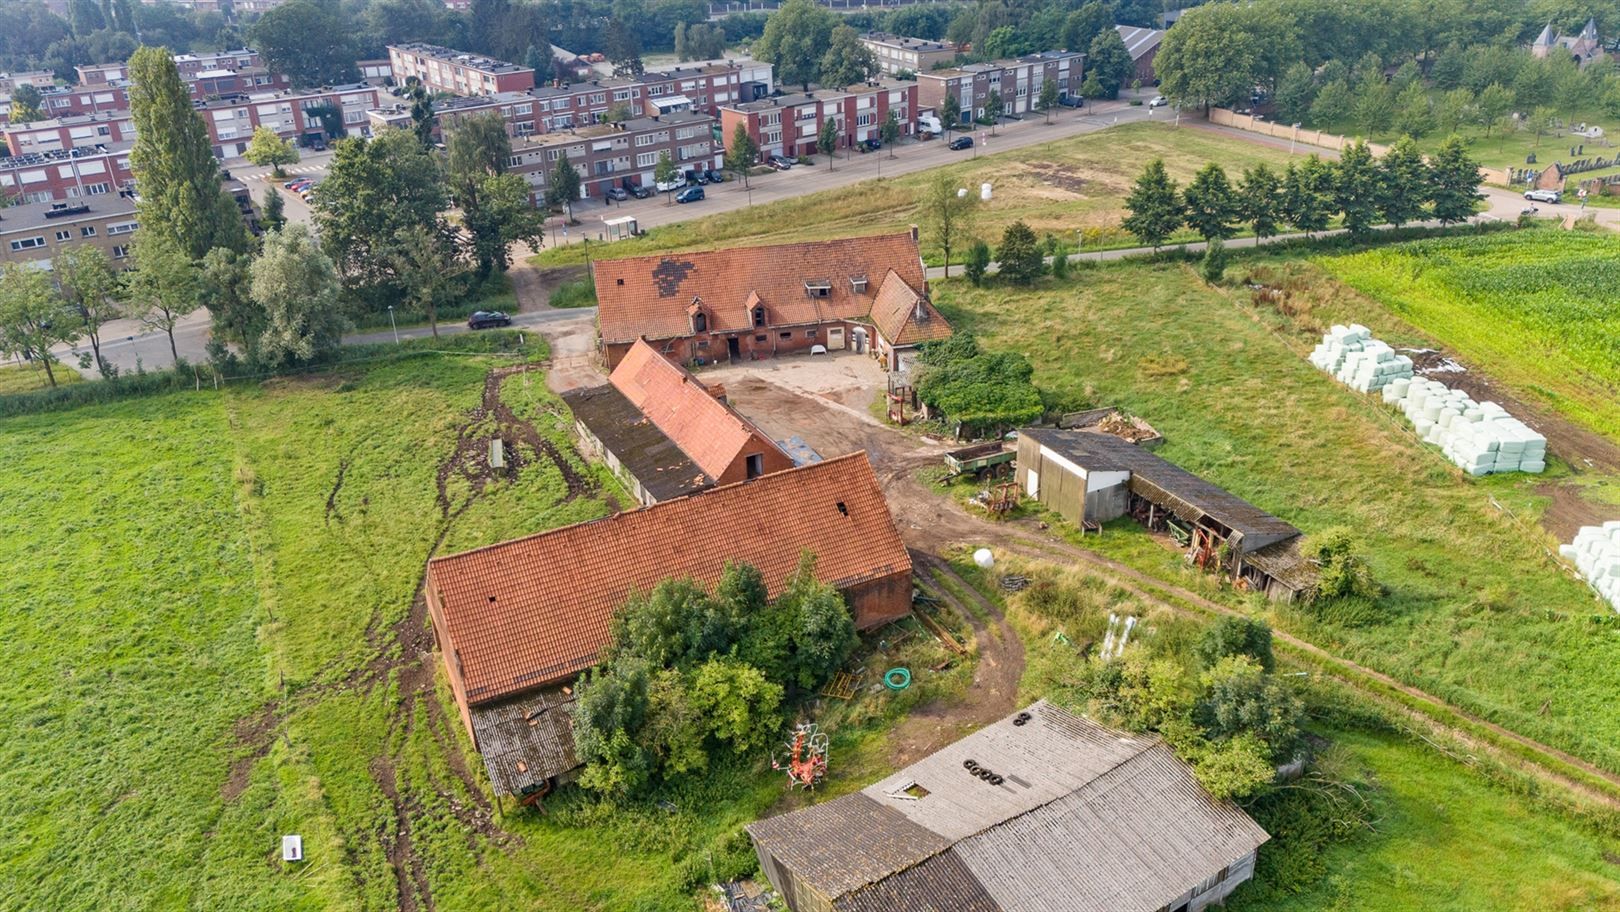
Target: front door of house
733 348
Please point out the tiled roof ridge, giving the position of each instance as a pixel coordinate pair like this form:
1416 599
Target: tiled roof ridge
735 419
677 254
833 460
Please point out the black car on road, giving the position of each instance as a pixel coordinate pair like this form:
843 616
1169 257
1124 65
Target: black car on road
484 319
715 177
960 143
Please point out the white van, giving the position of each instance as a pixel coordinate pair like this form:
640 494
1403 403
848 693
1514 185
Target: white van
676 183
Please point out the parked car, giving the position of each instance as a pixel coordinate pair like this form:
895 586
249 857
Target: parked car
675 183
697 177
1543 196
960 143
297 184
869 145
617 193
318 143
1072 101
484 319
779 163
715 177
1158 101
689 195
640 192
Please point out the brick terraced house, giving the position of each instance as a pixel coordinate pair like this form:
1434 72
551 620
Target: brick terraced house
518 621
443 69
862 293
1018 81
667 435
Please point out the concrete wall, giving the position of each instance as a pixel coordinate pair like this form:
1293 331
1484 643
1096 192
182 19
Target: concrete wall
1250 124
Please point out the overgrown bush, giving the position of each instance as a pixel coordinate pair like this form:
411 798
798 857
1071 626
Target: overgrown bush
983 392
1342 570
1215 259
978 260
1236 636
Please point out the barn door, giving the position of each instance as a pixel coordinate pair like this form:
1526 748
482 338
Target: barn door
1032 483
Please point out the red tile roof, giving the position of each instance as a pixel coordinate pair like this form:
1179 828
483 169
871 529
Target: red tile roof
649 296
895 314
537 610
707 430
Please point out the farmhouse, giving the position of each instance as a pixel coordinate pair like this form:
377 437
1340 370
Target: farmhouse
664 433
1091 477
1039 812
1583 47
516 622
865 293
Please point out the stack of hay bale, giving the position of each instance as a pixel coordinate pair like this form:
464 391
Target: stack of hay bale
1481 438
1596 553
1359 361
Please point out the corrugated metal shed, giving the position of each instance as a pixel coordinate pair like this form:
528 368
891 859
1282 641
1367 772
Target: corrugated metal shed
527 740
847 843
1186 495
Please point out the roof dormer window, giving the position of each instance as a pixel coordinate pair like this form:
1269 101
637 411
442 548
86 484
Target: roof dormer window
817 288
759 315
858 284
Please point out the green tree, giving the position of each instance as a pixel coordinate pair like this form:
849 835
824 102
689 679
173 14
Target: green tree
1334 102
423 118
296 285
33 317
1240 698
890 131
1375 103
795 41
950 111
476 148
87 283
993 106
1236 636
374 190
1295 93
534 60
623 48
1219 52
1453 109
1405 179
1447 70
164 285
1020 255
1342 570
1091 88
174 162
982 392
1453 183
426 263
1414 115
736 704
1492 106
309 41
267 148
1154 206
1109 61
827 140
820 630
503 217
1259 197
1047 101
610 712
1211 208
273 209
1308 194
978 261
947 215
1215 259
674 734
847 61
226 291
563 187
1234 769
25 105
742 152
1086 23
1359 188
680 43
664 174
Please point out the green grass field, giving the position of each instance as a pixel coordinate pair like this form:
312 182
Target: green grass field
1057 187
1477 611
1538 310
22 378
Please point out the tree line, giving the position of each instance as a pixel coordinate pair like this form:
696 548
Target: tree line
283 299
1361 190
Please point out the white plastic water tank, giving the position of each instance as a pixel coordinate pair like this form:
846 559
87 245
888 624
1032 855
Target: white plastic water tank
984 558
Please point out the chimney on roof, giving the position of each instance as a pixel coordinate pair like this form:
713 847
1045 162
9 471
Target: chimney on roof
914 233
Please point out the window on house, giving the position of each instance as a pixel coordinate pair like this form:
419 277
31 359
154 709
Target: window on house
120 252
760 338
811 333
858 283
27 243
818 288
786 334
759 317
87 231
64 235
700 322
756 465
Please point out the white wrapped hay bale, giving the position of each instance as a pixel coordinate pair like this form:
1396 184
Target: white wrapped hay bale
1595 552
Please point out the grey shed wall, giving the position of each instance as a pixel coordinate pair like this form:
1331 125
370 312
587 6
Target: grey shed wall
1063 490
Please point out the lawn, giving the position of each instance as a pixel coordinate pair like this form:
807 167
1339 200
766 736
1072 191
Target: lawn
1539 310
1477 612
23 378
1059 187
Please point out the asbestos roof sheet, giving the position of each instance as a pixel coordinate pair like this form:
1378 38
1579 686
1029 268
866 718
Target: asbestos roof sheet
536 611
707 430
943 883
1167 484
896 315
644 450
846 843
649 296
526 740
1139 41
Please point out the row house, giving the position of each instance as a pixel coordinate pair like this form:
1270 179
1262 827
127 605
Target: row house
789 125
39 79
376 72
32 234
618 154
85 171
441 69
189 65
113 96
292 115
702 88
895 53
1019 82
62 133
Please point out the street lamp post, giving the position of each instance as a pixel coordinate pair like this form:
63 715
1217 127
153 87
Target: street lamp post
392 325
